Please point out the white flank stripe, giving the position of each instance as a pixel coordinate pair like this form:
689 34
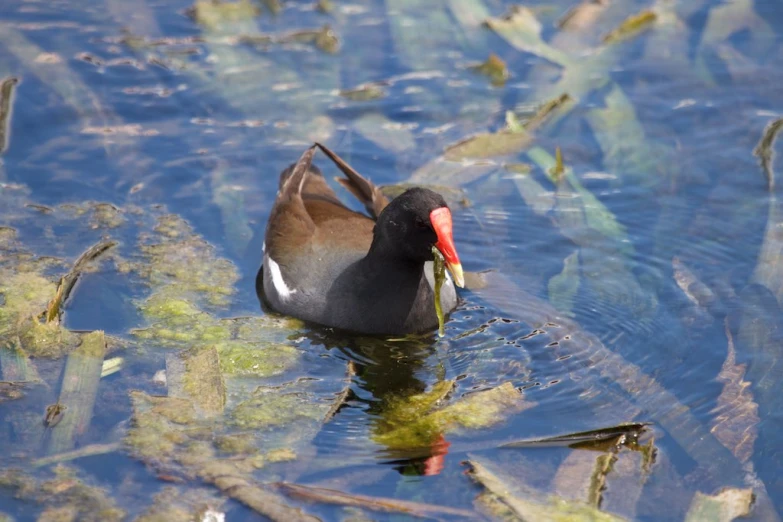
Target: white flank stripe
277 281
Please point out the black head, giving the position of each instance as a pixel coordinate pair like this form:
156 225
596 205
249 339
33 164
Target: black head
405 227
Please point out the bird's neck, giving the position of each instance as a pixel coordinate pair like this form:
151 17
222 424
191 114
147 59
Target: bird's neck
387 263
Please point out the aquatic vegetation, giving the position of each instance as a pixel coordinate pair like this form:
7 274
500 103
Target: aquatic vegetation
622 138
630 26
764 150
79 390
195 374
212 14
366 92
67 496
621 435
564 286
729 504
315 494
268 408
494 68
439 270
419 420
25 294
736 415
176 504
515 138
632 278
257 359
183 263
324 39
502 500
7 88
67 282
521 29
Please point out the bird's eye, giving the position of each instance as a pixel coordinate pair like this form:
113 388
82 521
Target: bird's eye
420 223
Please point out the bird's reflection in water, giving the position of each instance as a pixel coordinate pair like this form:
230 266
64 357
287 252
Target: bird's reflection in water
393 376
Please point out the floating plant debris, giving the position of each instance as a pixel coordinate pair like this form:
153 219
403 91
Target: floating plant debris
631 26
67 282
628 433
439 271
494 68
7 89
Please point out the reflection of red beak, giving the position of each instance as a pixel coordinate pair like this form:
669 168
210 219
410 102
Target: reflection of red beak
435 464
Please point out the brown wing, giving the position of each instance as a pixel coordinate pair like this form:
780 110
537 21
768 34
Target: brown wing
371 197
290 226
307 214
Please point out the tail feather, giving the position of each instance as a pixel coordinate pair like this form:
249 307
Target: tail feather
363 189
296 179
289 170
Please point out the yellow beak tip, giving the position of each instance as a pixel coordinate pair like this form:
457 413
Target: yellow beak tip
457 274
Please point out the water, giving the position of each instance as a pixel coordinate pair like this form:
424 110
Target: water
129 113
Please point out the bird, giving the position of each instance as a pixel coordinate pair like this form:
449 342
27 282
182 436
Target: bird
327 264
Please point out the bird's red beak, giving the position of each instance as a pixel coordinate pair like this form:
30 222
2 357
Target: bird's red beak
441 223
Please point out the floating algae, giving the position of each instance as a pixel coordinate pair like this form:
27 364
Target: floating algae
494 68
28 297
175 435
175 504
25 294
269 408
179 445
324 39
46 340
419 420
324 6
439 270
237 443
366 92
213 14
10 391
246 358
195 375
631 26
188 278
65 494
184 263
727 505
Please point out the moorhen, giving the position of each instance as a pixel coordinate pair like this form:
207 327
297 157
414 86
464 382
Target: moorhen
327 264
